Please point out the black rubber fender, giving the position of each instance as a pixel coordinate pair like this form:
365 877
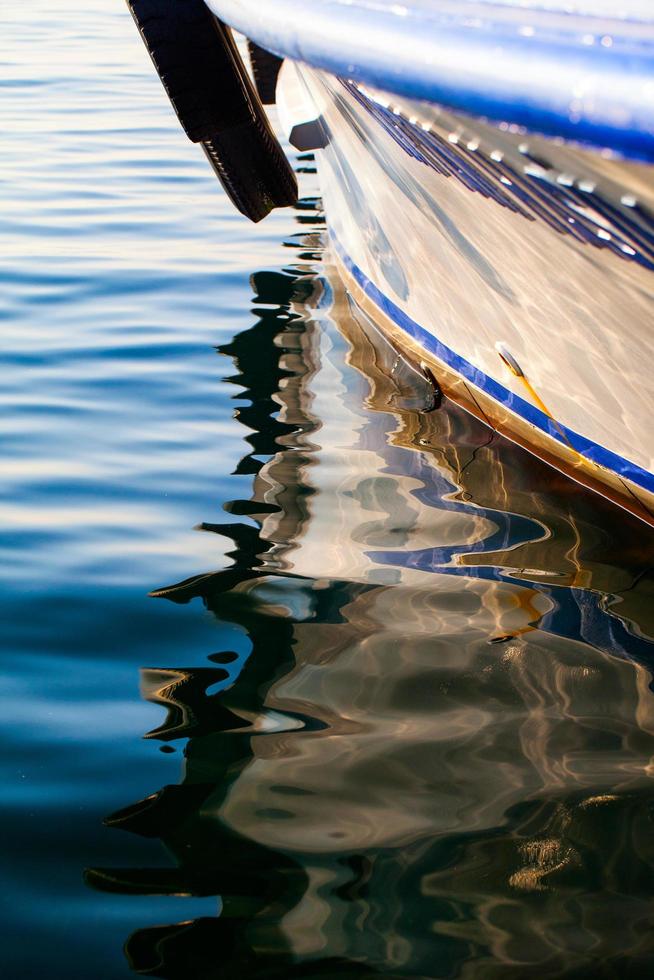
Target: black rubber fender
265 69
216 102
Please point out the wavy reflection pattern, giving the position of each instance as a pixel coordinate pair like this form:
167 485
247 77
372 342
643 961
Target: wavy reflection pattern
435 757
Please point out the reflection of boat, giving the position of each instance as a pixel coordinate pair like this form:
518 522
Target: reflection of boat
413 767
486 172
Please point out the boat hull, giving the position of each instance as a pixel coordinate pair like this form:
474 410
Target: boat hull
578 69
518 269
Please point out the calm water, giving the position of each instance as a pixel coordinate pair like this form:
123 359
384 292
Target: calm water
394 675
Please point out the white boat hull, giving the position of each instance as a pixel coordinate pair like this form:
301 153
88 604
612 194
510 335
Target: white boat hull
519 269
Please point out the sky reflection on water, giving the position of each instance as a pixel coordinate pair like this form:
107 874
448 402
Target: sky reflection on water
404 669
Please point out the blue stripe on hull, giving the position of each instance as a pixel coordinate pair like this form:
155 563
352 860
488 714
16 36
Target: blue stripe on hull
504 396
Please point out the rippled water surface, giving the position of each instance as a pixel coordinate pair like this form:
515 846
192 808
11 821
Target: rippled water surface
394 675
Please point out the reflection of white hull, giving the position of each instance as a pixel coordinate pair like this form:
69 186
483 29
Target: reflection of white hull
397 552
475 246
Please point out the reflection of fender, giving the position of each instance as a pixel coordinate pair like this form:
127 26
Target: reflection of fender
199 64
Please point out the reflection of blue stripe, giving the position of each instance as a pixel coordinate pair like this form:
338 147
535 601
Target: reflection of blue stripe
435 490
575 614
591 450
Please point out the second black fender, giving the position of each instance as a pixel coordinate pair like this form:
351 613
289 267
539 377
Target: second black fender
217 104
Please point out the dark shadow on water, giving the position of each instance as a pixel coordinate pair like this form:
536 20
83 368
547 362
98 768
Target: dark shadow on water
433 760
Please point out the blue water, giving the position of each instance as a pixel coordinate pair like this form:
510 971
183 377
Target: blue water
401 703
